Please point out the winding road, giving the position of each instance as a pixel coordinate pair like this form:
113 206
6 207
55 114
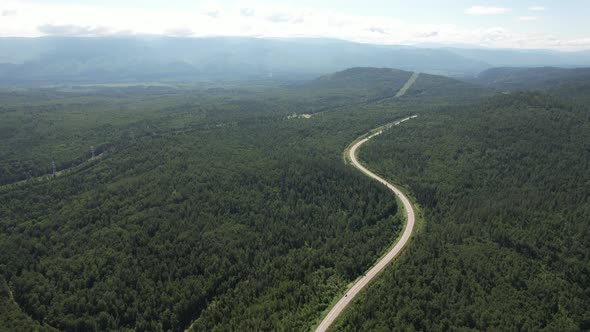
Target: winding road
393 253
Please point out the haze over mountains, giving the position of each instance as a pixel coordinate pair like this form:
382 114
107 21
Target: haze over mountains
510 78
50 60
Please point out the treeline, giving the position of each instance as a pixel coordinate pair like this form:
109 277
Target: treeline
505 187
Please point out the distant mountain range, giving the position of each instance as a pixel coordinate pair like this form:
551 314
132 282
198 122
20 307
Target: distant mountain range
138 59
514 78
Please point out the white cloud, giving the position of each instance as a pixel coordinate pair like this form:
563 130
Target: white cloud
8 12
537 8
485 10
31 19
527 18
247 12
75 30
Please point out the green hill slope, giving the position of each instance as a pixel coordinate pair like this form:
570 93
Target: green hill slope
504 184
441 87
211 209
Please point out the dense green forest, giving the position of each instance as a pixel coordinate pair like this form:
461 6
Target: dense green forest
505 187
62 125
213 208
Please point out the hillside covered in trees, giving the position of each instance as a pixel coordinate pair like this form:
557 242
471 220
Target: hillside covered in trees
214 208
210 210
505 187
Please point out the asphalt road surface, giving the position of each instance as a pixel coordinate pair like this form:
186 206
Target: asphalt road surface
391 255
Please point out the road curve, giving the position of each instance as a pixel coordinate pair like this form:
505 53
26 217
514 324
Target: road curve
391 255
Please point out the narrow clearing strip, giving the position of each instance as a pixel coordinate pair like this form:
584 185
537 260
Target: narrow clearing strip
361 283
47 177
408 85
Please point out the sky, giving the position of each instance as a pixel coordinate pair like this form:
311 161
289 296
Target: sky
548 24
